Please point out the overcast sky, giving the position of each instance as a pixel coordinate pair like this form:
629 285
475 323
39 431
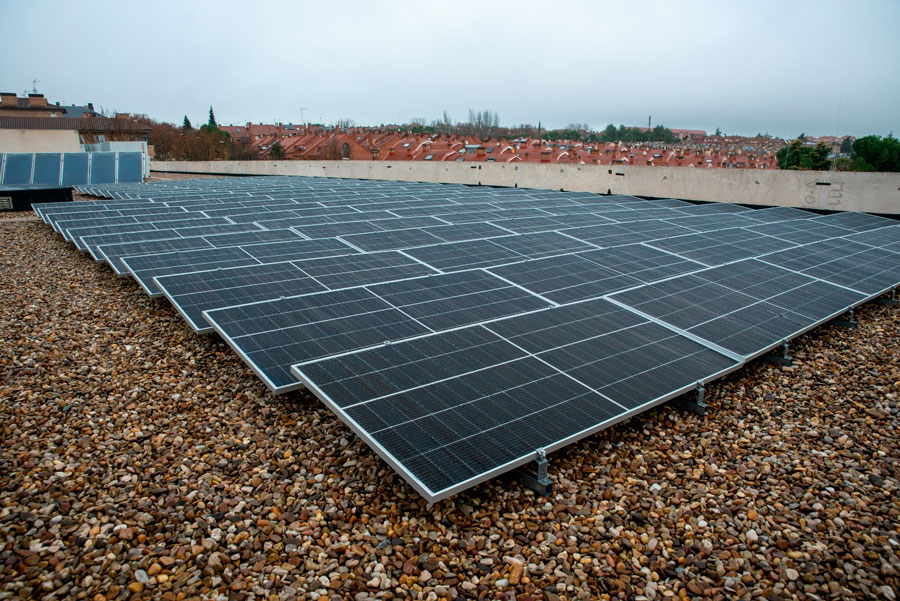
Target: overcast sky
782 67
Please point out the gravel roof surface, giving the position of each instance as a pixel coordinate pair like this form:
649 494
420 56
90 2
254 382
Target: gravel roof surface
139 460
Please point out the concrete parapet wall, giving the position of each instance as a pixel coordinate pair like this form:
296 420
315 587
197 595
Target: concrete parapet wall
39 140
841 191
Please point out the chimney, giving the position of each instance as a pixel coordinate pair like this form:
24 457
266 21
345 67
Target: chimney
8 99
36 101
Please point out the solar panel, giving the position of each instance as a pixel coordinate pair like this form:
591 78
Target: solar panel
453 409
708 223
632 366
393 240
113 253
451 300
145 268
886 237
674 202
465 255
773 214
131 167
75 168
843 262
619 234
116 234
712 208
462 331
332 230
183 229
273 335
361 269
721 246
144 216
193 293
51 212
858 222
296 250
17 168
565 278
47 168
68 222
802 232
542 244
103 167
746 309
417 306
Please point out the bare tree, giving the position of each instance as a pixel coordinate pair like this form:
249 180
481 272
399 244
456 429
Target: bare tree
483 124
330 150
446 124
345 123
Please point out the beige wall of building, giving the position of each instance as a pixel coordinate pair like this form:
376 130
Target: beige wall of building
37 140
840 191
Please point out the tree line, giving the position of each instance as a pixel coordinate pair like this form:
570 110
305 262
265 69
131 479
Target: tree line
485 124
869 153
185 143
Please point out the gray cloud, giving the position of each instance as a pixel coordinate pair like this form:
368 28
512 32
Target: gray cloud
817 67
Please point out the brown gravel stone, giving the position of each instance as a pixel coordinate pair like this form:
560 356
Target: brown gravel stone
130 445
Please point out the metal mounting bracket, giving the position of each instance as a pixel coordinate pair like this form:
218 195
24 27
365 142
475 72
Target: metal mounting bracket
779 357
847 320
890 301
697 406
537 479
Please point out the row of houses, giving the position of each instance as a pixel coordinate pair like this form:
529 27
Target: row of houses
306 142
32 124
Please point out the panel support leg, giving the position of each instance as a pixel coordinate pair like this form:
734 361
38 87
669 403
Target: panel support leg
536 479
779 357
698 406
890 301
847 320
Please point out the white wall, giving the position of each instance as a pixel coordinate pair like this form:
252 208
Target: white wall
39 140
841 191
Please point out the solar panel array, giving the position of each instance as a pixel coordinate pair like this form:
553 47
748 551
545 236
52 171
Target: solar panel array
70 168
461 331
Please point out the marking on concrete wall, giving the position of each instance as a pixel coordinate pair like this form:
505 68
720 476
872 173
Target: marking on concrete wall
835 191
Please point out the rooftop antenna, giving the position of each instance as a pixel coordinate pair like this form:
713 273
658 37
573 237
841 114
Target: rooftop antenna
303 108
34 83
837 128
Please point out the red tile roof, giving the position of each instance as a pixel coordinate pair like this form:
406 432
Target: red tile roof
64 123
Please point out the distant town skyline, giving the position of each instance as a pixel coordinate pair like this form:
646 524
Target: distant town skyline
819 68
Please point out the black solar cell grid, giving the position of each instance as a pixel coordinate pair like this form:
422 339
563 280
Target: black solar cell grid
511 321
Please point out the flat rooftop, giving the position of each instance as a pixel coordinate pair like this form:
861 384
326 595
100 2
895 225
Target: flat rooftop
127 435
